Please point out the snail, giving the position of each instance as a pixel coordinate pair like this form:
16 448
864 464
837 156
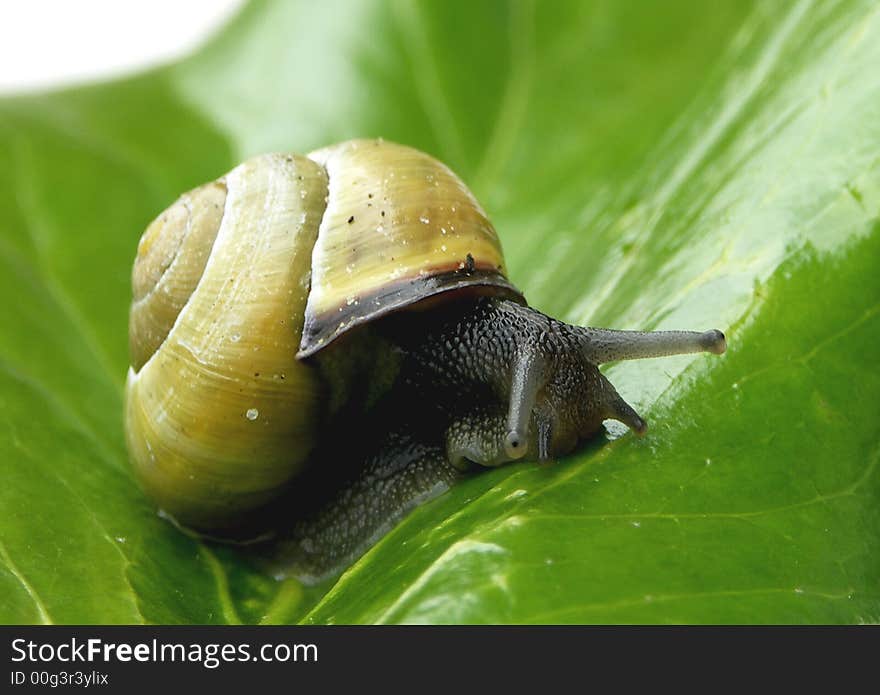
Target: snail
320 342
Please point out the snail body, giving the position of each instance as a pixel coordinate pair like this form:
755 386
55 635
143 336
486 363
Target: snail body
342 322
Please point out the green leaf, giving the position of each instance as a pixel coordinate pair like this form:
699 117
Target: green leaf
647 165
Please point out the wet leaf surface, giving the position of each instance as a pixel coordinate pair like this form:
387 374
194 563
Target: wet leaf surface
676 166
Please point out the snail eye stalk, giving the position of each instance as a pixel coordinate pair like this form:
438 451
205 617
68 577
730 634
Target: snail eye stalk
601 345
528 376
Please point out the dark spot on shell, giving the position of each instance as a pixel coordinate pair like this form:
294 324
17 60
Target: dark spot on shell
469 263
256 374
369 195
383 213
351 219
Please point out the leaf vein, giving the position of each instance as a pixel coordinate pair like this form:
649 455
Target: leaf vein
75 496
45 618
27 198
221 580
427 81
648 599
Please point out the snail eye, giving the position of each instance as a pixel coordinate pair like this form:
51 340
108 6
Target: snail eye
515 444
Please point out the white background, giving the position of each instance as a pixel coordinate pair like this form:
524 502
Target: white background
52 43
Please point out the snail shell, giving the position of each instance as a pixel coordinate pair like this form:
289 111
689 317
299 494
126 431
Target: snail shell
242 279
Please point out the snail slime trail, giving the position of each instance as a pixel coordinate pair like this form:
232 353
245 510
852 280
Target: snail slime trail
321 342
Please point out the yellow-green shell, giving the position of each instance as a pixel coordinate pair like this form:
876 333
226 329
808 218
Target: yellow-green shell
399 227
221 416
242 278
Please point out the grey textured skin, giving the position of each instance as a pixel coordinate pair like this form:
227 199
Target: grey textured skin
471 382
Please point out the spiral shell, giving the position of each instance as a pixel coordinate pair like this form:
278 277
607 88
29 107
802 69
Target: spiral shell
243 278
221 416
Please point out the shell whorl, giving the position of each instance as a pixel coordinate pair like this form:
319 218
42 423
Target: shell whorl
221 416
399 227
170 259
